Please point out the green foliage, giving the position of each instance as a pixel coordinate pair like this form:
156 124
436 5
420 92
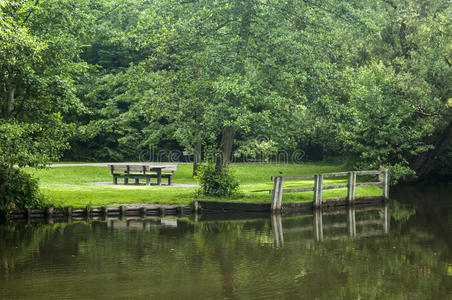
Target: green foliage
217 183
18 190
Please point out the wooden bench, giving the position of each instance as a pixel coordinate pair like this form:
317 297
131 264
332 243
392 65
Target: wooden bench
137 172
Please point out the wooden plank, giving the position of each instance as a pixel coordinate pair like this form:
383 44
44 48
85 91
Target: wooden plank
298 190
369 172
336 174
370 184
294 177
333 187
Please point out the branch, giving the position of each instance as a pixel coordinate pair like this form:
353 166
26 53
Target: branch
108 12
29 14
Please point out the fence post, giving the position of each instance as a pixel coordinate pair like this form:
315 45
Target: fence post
277 193
318 187
351 187
385 189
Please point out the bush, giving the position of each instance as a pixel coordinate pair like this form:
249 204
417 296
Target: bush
216 183
18 190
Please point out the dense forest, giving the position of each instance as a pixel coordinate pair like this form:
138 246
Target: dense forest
366 81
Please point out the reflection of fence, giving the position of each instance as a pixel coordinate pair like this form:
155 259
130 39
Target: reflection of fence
318 226
319 187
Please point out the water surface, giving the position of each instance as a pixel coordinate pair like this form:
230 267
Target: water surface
399 251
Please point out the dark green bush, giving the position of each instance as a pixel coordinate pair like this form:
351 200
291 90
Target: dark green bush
18 190
216 183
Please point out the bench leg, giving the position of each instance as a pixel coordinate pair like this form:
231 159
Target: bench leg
115 180
148 180
170 180
126 180
137 180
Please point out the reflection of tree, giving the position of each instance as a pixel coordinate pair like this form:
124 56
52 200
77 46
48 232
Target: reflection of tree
401 212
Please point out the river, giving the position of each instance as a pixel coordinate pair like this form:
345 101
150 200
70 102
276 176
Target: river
402 250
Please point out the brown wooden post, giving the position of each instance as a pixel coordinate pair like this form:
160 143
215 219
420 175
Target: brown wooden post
105 212
385 192
88 211
122 209
196 206
318 187
143 212
351 186
162 211
277 193
49 211
69 212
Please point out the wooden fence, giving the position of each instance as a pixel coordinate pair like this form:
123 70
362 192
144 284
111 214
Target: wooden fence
319 187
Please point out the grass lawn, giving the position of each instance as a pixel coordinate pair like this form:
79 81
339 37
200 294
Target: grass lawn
64 186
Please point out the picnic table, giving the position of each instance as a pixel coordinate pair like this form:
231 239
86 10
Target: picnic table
139 171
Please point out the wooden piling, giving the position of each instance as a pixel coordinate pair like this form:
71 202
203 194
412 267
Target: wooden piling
277 193
318 188
351 187
68 211
87 211
105 212
49 211
122 210
385 175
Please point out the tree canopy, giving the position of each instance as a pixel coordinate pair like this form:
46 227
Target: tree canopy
369 81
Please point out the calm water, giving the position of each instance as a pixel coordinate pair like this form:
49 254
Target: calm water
401 251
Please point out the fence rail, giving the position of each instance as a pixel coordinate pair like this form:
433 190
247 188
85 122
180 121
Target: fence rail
278 188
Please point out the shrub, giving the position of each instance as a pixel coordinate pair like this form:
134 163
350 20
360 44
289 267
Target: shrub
18 190
216 183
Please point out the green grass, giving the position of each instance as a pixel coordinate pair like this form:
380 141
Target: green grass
64 186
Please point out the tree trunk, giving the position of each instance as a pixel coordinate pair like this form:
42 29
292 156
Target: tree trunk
9 103
227 141
424 163
196 158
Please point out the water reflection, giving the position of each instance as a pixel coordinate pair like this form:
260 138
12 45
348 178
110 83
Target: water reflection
398 252
371 224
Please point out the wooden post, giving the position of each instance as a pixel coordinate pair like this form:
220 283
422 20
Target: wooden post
318 187
87 211
122 209
180 210
69 212
49 212
196 206
385 175
28 213
162 211
277 193
143 212
105 212
351 186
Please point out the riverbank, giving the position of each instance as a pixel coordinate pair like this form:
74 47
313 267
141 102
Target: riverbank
81 185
